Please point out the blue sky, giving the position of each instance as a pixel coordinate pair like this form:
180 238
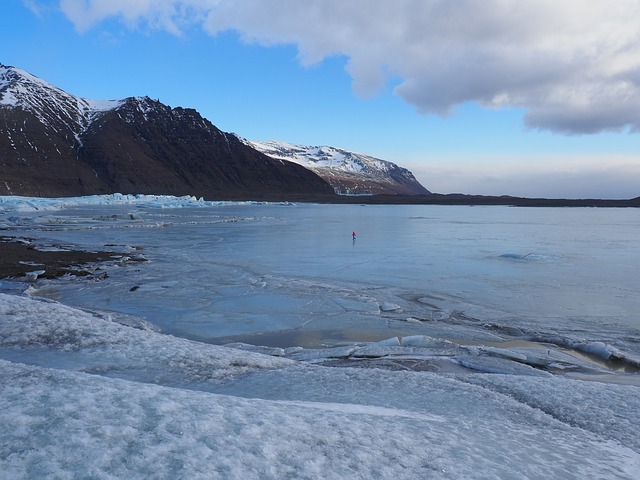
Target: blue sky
470 101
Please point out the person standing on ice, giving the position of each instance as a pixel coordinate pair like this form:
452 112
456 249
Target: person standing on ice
353 235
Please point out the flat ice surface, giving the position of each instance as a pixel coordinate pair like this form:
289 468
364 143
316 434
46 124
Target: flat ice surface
261 341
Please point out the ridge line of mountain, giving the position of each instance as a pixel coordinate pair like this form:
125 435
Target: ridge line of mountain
54 143
58 145
349 173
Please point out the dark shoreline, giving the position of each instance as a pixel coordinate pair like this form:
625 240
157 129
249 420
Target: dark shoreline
436 199
18 258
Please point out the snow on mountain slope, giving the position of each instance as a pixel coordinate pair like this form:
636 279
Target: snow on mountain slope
323 157
47 128
53 143
54 107
347 172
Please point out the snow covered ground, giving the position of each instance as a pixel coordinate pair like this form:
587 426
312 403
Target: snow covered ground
260 341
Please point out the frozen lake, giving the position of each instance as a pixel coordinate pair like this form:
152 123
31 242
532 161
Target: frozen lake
291 275
507 339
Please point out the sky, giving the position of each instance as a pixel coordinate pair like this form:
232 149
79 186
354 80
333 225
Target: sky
535 98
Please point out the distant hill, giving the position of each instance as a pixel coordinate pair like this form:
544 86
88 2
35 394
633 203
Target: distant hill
347 172
55 144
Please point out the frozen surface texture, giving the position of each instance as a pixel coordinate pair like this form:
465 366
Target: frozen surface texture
261 341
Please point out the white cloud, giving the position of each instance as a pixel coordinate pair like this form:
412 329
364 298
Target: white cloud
573 65
169 15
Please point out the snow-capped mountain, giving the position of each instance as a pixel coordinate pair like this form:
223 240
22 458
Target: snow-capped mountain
347 172
52 106
53 143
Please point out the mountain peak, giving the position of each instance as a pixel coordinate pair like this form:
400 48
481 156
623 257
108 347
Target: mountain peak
19 88
53 143
52 106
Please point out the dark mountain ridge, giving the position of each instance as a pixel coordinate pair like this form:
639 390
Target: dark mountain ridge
55 144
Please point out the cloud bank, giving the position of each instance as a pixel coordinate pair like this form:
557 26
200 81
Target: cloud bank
573 176
572 65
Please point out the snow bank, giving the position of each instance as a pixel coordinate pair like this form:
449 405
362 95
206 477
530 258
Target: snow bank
118 401
69 424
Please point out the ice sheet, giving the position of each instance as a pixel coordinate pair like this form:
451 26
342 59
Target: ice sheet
442 343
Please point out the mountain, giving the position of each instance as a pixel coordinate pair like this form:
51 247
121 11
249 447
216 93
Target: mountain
347 172
53 143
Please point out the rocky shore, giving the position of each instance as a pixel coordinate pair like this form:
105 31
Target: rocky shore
19 259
